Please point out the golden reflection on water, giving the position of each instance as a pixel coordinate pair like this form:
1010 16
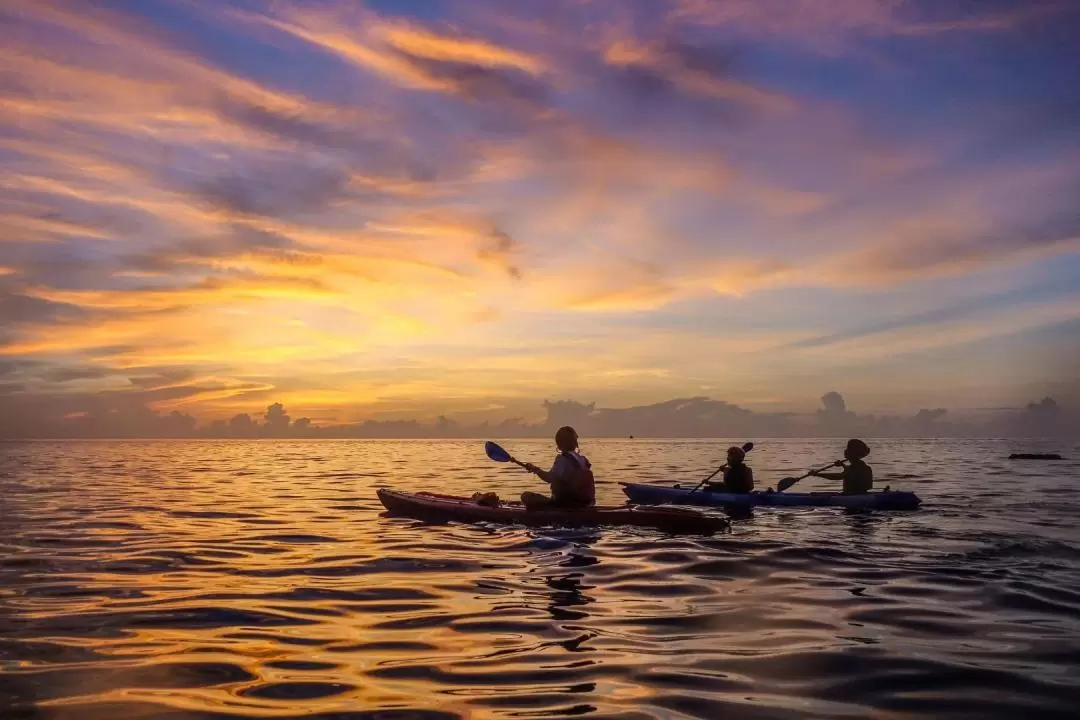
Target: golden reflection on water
260 579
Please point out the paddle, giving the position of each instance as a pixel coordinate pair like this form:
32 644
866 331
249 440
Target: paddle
747 447
496 453
787 482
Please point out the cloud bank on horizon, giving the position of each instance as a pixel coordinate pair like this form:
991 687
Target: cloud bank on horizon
694 417
399 209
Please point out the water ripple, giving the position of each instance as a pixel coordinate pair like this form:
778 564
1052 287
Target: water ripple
199 580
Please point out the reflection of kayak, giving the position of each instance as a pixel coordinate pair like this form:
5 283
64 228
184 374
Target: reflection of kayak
884 500
429 506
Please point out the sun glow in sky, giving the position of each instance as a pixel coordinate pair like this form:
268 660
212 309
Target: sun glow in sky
411 208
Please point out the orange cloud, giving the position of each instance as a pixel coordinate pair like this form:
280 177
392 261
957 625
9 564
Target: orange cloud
421 43
28 228
334 40
710 79
802 18
923 337
936 256
212 291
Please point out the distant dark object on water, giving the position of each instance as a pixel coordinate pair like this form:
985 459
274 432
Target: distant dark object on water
1035 456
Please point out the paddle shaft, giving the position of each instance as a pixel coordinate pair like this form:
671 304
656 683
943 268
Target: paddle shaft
524 466
702 483
786 483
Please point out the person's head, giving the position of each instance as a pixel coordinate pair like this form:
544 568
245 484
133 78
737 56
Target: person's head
566 439
735 455
856 450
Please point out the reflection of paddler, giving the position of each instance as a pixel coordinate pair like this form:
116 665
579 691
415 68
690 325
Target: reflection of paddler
567 594
568 588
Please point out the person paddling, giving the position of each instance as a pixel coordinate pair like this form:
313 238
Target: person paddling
571 477
738 477
857 476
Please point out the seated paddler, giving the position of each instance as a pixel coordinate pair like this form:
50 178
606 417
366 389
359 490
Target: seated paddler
738 477
857 477
570 477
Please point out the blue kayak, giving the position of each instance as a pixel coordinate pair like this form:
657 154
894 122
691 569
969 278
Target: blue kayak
659 494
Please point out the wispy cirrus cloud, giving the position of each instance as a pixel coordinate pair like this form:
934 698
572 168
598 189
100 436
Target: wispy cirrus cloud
348 187
824 25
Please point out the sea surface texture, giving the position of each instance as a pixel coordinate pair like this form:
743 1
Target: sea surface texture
201 579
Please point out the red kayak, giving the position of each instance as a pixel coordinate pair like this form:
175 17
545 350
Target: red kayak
430 506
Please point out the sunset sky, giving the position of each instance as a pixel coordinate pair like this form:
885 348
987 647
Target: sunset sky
405 208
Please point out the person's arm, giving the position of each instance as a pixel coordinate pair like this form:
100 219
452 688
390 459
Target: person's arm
832 476
546 475
714 481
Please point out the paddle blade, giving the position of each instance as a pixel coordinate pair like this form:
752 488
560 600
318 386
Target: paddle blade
747 447
496 453
786 483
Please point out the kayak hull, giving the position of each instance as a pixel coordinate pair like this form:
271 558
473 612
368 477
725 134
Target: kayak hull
883 500
441 508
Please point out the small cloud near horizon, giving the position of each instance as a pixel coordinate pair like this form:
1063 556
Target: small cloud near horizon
127 414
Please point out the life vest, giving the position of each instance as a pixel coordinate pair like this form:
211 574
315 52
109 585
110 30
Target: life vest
579 489
739 479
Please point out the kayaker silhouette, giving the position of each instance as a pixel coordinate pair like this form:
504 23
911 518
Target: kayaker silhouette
570 477
857 476
738 477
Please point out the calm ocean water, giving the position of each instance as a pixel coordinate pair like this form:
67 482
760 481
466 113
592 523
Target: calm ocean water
259 580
